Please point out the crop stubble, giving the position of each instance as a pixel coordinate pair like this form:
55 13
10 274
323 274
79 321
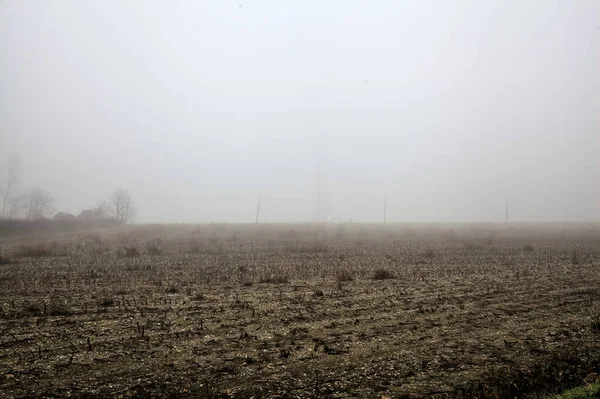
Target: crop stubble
270 311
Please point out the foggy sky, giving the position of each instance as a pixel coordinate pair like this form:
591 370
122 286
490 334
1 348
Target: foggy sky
197 107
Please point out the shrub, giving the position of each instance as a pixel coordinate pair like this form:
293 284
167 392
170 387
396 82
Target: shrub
345 275
5 259
584 392
471 246
172 290
212 247
128 252
296 247
528 248
106 302
31 307
382 274
276 279
153 250
429 253
195 246
595 326
318 248
574 257
34 250
131 252
198 297
57 308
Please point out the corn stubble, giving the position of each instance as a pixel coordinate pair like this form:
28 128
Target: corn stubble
272 311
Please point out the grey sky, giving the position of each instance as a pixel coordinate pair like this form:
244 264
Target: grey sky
196 107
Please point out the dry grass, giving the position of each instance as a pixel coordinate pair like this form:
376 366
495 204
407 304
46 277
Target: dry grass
35 250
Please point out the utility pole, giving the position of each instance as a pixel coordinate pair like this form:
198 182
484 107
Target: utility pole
321 204
506 209
258 209
384 210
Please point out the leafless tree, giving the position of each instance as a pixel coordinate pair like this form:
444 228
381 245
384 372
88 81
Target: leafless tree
121 206
101 210
12 181
39 203
17 206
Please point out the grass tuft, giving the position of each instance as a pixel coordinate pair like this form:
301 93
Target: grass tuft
383 274
586 392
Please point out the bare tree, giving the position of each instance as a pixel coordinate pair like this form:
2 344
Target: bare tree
101 210
121 206
17 206
39 203
13 179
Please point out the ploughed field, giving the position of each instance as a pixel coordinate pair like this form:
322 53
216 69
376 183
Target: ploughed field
300 311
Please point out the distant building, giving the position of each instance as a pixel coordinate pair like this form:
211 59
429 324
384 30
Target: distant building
90 214
64 216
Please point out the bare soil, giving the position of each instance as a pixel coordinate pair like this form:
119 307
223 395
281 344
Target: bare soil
300 311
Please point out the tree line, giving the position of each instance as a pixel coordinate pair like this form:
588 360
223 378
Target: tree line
35 203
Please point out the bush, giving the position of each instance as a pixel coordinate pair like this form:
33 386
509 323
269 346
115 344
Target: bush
195 246
345 275
128 252
528 248
31 307
595 326
212 247
154 250
198 297
106 302
471 246
57 308
35 250
382 274
297 247
276 279
5 260
429 253
589 391
574 257
172 290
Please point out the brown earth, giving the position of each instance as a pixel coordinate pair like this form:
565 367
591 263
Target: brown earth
300 311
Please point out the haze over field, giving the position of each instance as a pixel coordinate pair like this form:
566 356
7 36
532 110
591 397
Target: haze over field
197 107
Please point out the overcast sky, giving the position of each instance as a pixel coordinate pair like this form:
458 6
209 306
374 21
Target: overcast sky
196 107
